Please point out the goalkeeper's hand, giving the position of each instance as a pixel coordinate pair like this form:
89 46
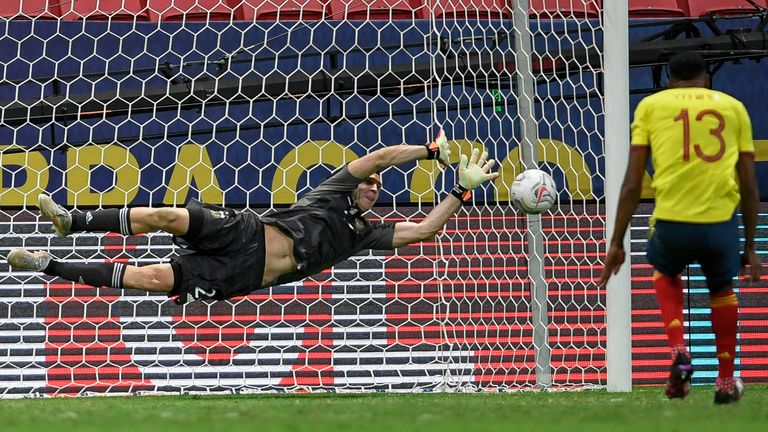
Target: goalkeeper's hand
438 149
476 170
473 172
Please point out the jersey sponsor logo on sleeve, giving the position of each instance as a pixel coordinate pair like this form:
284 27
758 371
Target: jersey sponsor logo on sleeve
218 214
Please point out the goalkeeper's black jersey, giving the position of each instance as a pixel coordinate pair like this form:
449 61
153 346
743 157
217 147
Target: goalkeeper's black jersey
327 228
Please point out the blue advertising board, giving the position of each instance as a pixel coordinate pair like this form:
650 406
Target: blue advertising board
255 149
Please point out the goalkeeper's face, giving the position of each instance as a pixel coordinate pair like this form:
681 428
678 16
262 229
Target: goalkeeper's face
367 192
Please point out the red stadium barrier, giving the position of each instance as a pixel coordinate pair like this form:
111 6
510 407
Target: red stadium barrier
28 9
566 8
191 10
102 10
722 7
284 10
658 8
377 9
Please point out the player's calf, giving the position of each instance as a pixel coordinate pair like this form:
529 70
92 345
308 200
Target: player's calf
65 222
96 274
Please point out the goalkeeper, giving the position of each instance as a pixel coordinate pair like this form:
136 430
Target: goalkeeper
237 253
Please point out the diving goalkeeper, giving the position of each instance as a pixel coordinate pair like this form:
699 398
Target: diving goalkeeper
235 253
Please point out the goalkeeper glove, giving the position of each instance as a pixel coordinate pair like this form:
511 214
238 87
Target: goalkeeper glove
438 149
472 173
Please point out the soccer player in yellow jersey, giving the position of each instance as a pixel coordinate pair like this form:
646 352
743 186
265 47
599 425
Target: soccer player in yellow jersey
700 142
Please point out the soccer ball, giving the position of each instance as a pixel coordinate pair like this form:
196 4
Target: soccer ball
533 191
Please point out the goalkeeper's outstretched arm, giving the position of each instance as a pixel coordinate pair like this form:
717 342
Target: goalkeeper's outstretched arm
473 172
399 154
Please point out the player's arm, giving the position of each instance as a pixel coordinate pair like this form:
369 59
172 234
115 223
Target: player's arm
411 232
346 180
750 199
473 172
745 169
628 200
395 155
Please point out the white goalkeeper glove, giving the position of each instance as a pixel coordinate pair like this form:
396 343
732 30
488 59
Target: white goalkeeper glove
439 149
472 173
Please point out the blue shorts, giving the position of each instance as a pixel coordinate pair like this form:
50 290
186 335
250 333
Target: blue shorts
716 247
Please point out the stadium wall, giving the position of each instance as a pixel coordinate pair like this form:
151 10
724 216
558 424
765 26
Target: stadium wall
237 153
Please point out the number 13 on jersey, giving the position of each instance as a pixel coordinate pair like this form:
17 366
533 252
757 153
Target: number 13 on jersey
717 133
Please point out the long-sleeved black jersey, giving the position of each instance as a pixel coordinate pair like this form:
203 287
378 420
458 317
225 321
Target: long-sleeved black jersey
327 227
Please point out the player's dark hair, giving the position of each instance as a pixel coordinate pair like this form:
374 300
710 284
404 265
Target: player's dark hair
687 66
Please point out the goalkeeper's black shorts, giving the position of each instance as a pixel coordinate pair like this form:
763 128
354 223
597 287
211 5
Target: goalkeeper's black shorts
227 258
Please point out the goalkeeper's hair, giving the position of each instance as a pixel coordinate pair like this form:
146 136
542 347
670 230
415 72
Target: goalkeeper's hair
687 66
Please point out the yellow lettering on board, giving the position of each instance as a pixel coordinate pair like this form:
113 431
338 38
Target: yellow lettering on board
80 163
578 176
35 167
427 171
193 165
303 157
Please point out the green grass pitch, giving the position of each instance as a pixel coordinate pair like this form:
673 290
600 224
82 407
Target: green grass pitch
645 409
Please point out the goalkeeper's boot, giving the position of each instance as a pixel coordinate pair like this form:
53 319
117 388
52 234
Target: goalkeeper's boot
679 381
728 390
21 259
62 220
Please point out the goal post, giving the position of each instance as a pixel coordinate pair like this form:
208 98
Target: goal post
619 292
529 135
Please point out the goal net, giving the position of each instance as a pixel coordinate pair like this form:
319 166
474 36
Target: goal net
249 104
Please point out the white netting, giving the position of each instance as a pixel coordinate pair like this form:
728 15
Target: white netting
108 103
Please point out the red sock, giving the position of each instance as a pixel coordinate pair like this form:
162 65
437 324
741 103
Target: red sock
669 295
725 319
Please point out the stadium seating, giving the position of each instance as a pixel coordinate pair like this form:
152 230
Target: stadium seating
722 7
565 8
658 8
377 9
470 9
292 10
284 10
117 10
191 10
20 9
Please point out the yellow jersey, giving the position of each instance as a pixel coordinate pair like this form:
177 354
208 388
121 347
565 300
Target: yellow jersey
695 135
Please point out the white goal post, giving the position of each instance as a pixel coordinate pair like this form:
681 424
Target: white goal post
619 295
